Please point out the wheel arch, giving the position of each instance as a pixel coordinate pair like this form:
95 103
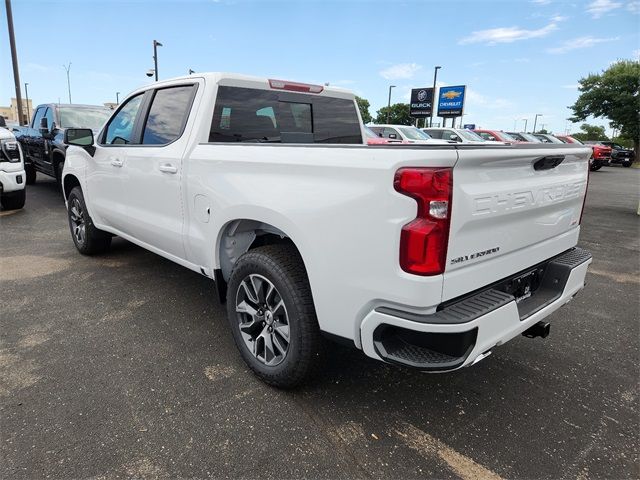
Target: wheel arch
237 237
69 182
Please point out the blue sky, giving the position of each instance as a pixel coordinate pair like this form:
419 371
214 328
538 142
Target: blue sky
517 57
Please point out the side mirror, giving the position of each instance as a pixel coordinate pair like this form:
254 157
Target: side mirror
454 137
44 126
3 122
393 135
80 137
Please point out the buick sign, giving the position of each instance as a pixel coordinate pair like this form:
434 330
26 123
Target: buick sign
421 102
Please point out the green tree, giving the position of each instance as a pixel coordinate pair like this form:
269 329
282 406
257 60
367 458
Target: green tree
363 105
543 130
613 94
590 132
398 114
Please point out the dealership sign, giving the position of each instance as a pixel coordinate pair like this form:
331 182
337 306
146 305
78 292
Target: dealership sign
421 102
451 101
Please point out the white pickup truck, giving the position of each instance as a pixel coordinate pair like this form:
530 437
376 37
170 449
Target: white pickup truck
426 256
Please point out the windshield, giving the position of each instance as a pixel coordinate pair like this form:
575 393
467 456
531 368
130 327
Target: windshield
530 138
370 133
412 133
92 118
507 137
471 136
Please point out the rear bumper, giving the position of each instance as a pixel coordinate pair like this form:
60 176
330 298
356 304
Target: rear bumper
466 330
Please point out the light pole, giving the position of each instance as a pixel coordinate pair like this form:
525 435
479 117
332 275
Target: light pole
433 96
67 68
117 98
26 94
389 103
535 121
525 124
156 44
14 61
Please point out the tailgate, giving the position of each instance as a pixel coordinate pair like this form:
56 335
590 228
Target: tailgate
512 207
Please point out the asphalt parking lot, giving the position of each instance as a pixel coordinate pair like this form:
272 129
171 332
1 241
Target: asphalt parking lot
122 366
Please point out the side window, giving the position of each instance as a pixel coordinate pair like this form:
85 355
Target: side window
36 119
168 115
435 133
254 115
392 131
120 128
49 116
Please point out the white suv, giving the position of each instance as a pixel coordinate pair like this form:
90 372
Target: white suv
12 176
404 133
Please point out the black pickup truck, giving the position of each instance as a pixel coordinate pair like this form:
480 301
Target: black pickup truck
42 140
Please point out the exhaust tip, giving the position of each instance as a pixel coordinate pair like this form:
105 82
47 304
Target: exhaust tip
540 329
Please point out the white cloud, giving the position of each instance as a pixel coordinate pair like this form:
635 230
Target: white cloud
598 8
493 36
475 99
634 6
402 70
580 42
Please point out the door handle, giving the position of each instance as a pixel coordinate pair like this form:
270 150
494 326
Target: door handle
116 162
168 168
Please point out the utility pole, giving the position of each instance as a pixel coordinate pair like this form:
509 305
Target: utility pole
156 44
26 94
535 121
117 98
389 103
68 68
525 124
14 60
433 96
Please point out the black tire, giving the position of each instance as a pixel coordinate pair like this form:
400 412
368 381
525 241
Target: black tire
13 200
59 168
90 241
627 164
282 266
595 168
30 173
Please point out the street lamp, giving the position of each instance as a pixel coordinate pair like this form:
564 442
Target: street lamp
117 98
389 103
433 95
67 68
156 44
26 94
525 124
535 121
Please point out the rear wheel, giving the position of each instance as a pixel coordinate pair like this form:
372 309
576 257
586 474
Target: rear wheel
272 317
88 239
593 166
627 164
13 200
30 173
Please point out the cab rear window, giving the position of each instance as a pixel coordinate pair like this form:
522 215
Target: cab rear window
263 116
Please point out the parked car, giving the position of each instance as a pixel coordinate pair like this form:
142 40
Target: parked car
455 135
12 175
42 140
568 139
525 137
619 154
601 154
546 138
496 136
422 257
404 133
375 139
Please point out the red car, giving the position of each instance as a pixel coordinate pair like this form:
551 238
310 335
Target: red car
374 139
497 136
601 153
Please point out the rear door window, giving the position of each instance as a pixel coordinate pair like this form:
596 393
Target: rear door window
264 116
168 115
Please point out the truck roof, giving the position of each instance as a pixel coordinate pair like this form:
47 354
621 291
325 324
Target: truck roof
71 105
247 81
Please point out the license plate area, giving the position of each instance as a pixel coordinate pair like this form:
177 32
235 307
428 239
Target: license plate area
524 285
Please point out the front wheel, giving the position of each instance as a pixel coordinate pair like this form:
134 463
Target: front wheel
88 239
13 200
627 164
594 167
272 317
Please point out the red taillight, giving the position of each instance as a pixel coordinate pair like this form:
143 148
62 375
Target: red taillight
424 241
295 86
